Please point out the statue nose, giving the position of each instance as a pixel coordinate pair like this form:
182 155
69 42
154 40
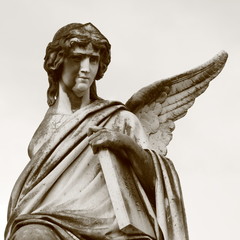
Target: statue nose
85 65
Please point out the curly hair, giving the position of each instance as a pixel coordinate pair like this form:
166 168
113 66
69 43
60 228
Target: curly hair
66 38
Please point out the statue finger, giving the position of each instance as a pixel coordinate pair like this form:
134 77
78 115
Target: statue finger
93 129
95 136
97 145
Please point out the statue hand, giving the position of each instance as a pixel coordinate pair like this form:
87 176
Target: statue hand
100 138
126 147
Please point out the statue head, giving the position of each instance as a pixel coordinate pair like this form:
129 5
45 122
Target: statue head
64 40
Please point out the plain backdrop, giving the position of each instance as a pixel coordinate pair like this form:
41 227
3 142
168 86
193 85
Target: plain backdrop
151 40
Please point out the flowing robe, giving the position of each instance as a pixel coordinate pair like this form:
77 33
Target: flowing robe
63 186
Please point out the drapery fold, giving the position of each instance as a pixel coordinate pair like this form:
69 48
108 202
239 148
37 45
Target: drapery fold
35 198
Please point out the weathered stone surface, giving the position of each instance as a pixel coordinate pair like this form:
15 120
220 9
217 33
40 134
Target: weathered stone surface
97 168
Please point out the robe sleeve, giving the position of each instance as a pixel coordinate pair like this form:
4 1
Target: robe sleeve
168 212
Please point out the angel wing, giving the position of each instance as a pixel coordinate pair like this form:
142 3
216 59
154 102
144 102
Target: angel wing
160 104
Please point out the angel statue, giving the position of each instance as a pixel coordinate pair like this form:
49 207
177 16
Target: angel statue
98 169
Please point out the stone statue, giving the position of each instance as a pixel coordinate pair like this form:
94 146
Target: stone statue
98 168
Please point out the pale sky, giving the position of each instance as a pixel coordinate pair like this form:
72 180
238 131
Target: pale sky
151 40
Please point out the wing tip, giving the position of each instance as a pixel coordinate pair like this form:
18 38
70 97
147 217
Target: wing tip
135 102
221 57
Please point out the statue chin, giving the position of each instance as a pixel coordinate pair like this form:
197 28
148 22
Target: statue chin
80 89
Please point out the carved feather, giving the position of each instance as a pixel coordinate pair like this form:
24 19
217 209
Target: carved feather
163 102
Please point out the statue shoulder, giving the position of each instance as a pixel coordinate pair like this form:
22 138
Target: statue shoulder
49 124
128 123
126 117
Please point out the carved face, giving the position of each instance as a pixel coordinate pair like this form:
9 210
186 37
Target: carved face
80 69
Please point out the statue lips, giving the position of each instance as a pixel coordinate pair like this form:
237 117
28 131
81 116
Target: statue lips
82 80
82 84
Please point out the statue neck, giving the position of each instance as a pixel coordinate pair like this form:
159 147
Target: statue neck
68 103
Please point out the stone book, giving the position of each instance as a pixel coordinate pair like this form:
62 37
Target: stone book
129 208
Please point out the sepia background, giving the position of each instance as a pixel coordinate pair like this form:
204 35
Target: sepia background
151 40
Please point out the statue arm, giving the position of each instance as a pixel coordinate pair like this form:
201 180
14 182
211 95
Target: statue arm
125 147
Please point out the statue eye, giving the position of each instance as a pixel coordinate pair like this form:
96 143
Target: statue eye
77 58
94 59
